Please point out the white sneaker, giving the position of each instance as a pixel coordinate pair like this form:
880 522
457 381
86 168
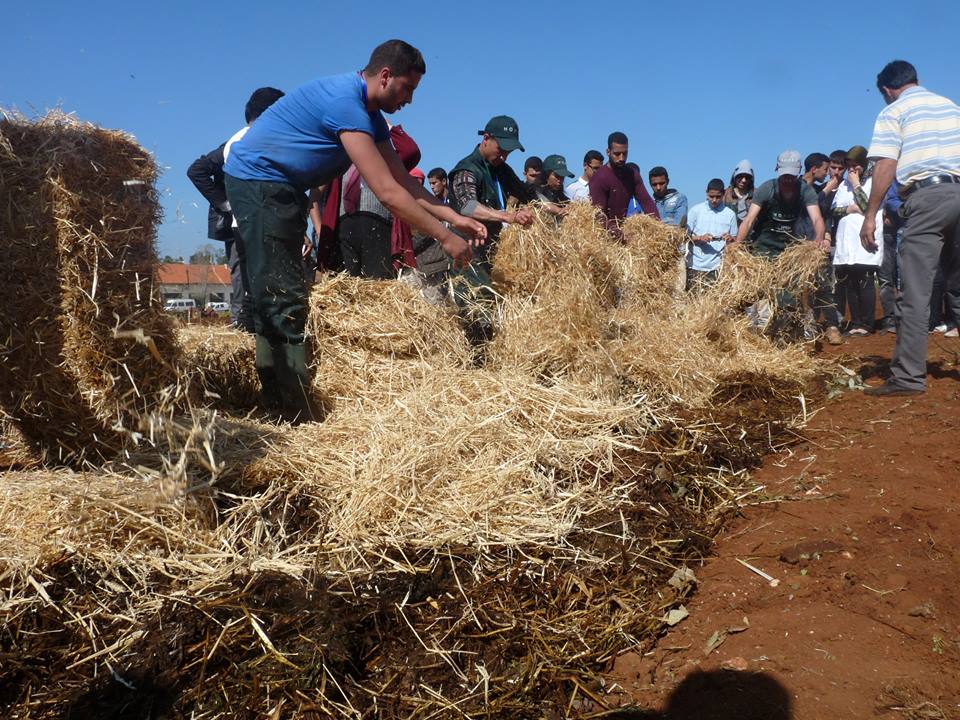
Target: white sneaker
941 328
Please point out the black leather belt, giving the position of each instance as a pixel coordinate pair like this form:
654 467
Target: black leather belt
933 180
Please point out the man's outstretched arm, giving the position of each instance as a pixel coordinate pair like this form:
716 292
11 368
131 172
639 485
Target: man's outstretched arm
363 152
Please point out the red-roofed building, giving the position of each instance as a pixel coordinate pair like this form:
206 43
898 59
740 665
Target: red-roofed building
203 283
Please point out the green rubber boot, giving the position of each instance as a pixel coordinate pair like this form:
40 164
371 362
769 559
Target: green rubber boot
298 406
265 362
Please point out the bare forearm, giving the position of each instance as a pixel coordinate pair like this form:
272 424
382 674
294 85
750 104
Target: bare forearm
485 214
443 213
819 229
315 210
402 205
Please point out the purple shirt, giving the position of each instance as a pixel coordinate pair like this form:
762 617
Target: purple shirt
611 190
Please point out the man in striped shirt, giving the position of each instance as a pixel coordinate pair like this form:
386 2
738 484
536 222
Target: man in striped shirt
916 140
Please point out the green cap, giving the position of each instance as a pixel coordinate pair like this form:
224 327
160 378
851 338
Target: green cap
556 164
858 154
504 129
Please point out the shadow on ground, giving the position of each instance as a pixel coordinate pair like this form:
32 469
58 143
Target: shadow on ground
719 695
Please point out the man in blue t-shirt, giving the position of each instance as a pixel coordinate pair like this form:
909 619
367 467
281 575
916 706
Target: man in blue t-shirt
305 140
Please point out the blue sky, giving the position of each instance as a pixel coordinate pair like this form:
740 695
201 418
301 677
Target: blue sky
696 86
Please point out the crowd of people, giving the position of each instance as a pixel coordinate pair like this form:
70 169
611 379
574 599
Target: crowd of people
887 214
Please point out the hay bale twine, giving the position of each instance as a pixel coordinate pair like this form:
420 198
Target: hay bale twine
86 345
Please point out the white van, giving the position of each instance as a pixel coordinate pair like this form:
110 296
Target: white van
180 305
218 306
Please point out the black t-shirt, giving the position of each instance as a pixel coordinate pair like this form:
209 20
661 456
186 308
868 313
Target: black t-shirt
558 197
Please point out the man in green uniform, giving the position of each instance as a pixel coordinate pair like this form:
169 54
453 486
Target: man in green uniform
479 187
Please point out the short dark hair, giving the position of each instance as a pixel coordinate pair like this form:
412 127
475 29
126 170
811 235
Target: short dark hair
814 160
399 57
437 172
533 162
591 156
260 100
633 166
716 184
616 138
896 74
839 156
658 171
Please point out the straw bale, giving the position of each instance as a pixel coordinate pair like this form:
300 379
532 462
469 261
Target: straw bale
684 354
45 512
220 361
86 344
559 331
15 450
579 245
651 267
748 278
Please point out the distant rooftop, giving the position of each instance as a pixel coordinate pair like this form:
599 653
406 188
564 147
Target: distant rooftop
185 274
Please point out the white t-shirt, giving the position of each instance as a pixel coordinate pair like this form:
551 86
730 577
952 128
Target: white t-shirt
849 250
579 189
226 153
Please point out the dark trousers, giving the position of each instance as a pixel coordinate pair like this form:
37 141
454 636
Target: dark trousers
823 299
241 306
932 230
889 276
941 305
273 221
365 246
857 290
475 299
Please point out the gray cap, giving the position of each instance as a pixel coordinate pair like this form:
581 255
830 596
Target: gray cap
788 163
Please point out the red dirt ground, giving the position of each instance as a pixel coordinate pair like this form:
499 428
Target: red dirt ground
865 621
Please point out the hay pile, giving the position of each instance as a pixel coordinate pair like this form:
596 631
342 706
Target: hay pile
667 344
85 344
451 541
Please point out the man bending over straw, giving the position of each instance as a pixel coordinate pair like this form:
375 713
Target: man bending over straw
304 140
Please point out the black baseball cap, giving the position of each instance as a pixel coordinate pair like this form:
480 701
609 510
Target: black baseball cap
504 128
556 164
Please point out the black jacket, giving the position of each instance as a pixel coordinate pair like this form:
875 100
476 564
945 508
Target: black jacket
206 173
